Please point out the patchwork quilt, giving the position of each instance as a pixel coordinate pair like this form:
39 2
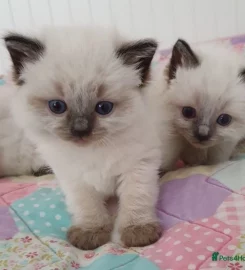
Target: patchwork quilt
202 210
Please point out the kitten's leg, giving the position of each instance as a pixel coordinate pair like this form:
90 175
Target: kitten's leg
171 149
220 153
39 167
239 149
137 222
42 171
92 224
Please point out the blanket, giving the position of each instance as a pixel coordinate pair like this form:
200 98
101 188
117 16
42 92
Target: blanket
201 210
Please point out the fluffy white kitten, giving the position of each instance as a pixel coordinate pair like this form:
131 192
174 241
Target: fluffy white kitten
204 103
82 101
18 156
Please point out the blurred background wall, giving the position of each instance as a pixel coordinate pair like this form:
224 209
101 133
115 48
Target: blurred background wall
166 20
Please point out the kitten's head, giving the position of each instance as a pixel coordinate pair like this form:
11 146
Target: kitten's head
206 93
79 84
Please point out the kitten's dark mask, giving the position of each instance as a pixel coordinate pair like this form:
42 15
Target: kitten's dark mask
81 123
203 130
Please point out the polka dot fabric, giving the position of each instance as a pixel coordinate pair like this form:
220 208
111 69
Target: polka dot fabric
190 246
41 214
44 213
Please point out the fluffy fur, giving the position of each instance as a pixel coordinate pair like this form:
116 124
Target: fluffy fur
120 155
211 80
18 156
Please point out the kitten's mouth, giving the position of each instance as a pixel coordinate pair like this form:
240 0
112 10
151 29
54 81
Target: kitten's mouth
201 144
198 144
87 140
81 140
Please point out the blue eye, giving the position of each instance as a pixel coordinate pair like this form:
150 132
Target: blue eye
57 106
189 112
224 119
104 107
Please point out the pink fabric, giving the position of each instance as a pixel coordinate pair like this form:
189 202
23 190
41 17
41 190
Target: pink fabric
19 193
190 245
2 202
12 191
8 186
232 211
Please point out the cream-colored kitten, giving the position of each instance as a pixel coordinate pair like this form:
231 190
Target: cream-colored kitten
82 101
204 103
18 156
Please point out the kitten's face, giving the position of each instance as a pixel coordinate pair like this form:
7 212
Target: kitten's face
81 87
81 111
207 97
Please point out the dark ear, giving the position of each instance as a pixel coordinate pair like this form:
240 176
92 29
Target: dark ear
182 56
138 54
241 75
22 49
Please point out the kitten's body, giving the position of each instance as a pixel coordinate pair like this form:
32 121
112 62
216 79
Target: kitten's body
18 156
209 79
120 154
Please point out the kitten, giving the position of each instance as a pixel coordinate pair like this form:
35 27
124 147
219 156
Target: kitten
83 102
205 103
18 156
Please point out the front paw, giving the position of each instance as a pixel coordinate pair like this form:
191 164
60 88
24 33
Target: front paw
141 235
90 238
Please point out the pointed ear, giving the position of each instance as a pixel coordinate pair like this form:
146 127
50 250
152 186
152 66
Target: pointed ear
138 54
241 75
22 49
182 56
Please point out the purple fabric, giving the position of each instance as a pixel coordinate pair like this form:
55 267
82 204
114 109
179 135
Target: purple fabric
7 225
189 199
165 52
237 40
233 40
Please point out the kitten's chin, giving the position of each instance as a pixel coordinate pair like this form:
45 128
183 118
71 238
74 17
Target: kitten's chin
200 145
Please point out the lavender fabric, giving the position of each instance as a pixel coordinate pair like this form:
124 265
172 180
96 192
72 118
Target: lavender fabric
189 199
7 225
237 40
233 40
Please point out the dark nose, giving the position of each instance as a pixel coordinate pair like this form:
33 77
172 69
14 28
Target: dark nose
81 128
201 137
80 132
202 132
